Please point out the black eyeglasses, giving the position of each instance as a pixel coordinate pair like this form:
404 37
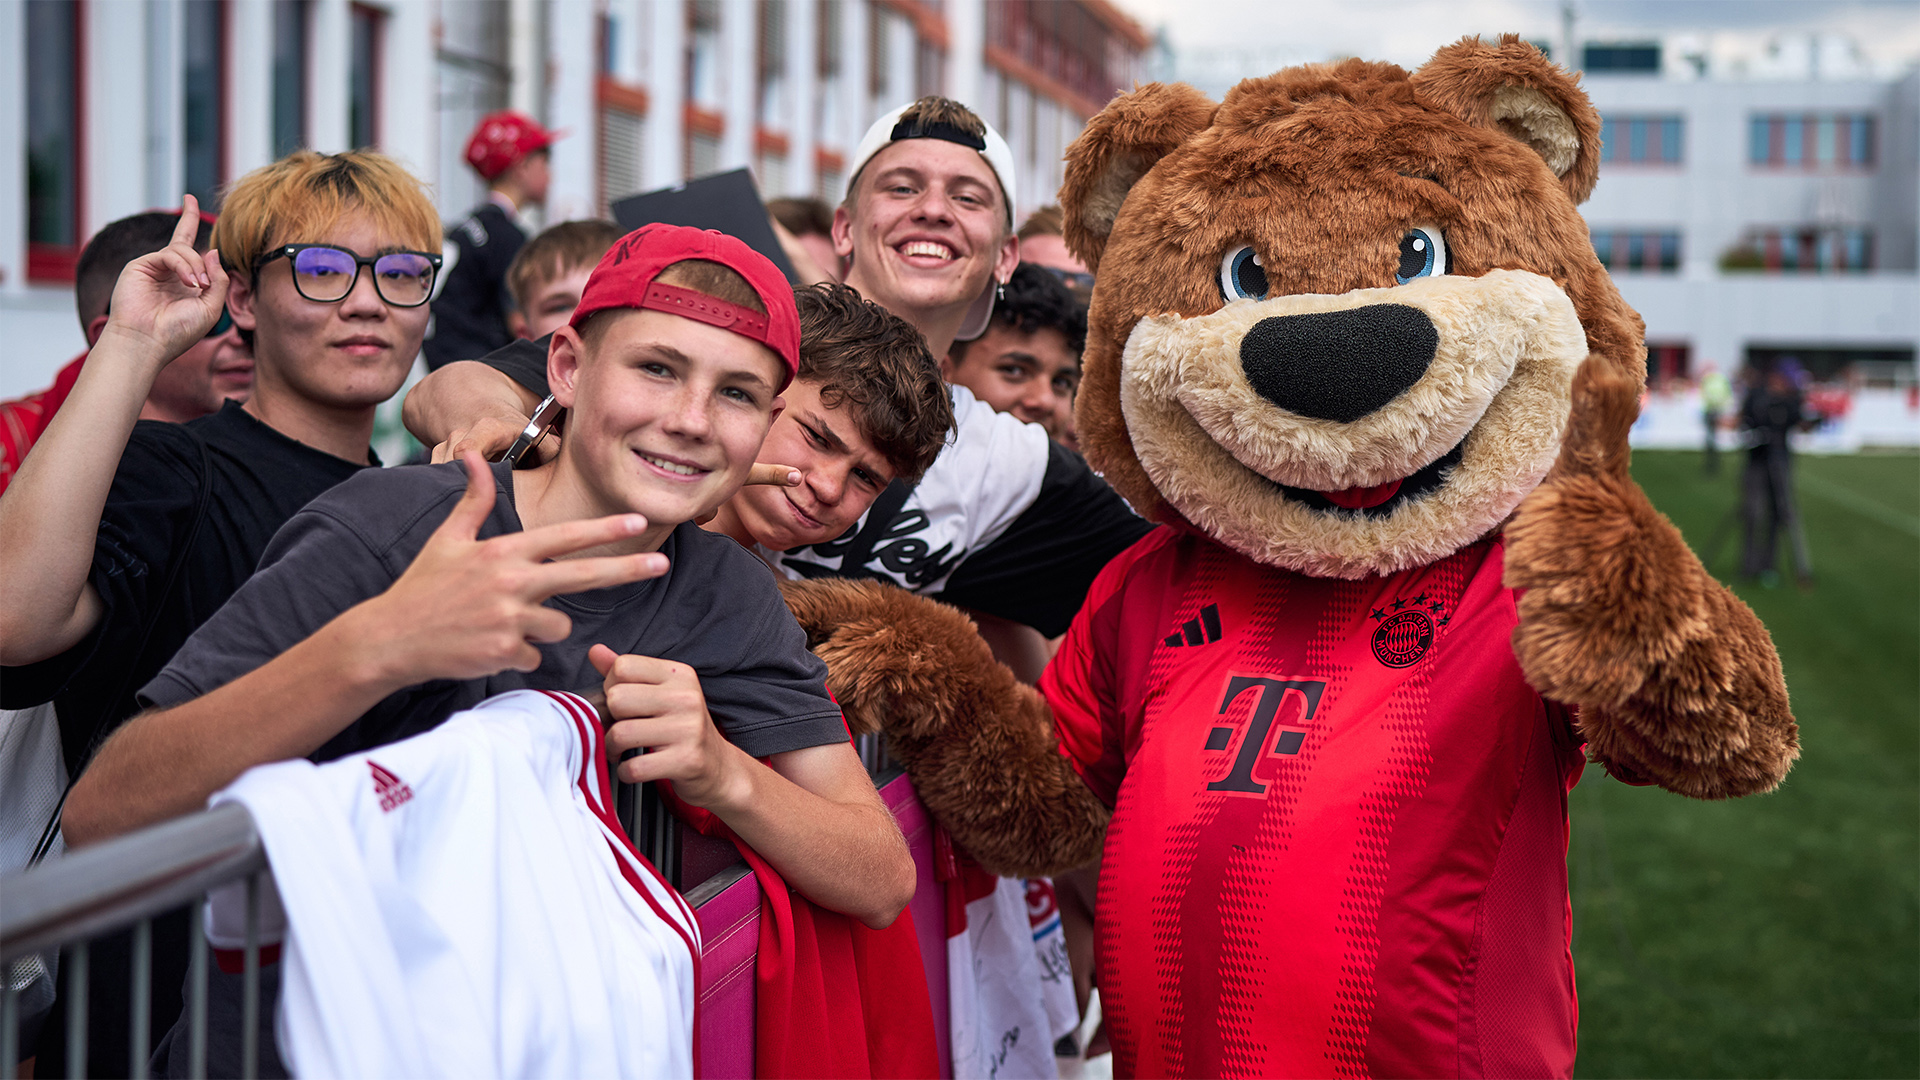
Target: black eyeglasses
325 274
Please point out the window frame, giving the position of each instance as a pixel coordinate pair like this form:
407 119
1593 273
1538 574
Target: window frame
376 72
54 263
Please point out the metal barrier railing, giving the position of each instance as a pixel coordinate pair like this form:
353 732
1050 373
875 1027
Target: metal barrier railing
127 882
131 880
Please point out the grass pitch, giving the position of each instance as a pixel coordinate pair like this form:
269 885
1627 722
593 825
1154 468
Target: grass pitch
1777 935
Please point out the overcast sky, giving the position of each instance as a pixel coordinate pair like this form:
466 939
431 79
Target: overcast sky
1215 39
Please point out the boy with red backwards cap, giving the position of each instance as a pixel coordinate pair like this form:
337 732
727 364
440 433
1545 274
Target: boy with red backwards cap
404 595
509 151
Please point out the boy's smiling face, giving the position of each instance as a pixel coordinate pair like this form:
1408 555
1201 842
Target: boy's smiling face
665 415
841 474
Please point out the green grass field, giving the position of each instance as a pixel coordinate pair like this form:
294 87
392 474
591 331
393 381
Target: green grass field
1777 935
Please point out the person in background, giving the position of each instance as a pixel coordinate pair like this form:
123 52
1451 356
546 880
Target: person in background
214 369
549 275
121 538
1773 409
509 151
808 224
1042 244
1028 361
1716 393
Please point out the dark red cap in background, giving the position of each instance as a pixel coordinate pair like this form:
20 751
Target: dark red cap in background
625 279
502 138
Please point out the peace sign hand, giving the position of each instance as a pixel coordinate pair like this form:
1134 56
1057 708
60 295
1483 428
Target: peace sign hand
166 301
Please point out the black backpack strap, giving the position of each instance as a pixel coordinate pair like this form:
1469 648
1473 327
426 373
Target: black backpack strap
103 724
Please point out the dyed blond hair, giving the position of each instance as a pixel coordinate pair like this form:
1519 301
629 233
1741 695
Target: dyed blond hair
296 199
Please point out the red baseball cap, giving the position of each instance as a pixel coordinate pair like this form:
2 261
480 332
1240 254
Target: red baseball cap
502 138
625 279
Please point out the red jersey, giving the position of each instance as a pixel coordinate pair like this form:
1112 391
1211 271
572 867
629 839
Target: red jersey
1339 834
23 419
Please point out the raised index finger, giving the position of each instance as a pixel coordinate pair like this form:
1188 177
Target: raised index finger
188 227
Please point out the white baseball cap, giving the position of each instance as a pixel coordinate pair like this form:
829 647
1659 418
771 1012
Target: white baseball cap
890 129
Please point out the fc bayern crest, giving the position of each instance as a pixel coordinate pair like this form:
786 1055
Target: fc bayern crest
1406 629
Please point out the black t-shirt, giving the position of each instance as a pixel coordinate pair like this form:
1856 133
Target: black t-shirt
1005 520
717 610
470 314
257 479
1039 570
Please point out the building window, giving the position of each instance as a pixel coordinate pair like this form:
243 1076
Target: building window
1082 53
53 139
289 76
1622 58
623 141
1641 140
703 154
1638 251
930 69
1832 141
879 52
1668 362
827 40
703 53
1804 249
363 77
204 99
772 66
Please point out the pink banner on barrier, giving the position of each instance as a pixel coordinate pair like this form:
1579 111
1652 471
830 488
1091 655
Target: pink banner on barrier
730 930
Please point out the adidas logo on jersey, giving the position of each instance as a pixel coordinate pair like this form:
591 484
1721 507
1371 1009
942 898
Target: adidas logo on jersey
1203 630
391 789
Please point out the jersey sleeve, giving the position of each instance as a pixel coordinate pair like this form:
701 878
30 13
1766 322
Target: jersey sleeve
767 694
1080 688
318 565
1038 571
148 513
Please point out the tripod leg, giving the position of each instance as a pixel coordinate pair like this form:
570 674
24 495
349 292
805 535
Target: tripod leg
1788 508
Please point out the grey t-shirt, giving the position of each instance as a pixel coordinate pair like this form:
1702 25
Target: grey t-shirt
717 610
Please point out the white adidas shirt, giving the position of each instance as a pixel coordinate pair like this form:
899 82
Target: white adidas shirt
1009 986
463 904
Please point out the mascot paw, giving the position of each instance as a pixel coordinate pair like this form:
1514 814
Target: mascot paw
896 661
1611 588
979 745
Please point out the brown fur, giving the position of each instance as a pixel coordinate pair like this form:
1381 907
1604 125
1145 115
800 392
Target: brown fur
1322 169
1676 678
919 669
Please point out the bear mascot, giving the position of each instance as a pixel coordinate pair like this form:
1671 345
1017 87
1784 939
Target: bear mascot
1351 346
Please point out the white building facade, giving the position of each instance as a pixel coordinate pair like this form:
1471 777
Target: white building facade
110 107
1748 219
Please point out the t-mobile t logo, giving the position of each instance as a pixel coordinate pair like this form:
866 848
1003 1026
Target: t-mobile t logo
1273 693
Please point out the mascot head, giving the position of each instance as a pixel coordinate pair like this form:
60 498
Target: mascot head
1339 314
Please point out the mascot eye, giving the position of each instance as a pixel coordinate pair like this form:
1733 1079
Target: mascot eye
1241 277
1423 253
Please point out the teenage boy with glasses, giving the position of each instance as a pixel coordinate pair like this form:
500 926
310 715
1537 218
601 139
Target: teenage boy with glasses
114 558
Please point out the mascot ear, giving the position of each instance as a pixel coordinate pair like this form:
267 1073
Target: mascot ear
1115 150
1513 89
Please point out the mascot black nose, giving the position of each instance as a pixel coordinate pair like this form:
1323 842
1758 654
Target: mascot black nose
1338 365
